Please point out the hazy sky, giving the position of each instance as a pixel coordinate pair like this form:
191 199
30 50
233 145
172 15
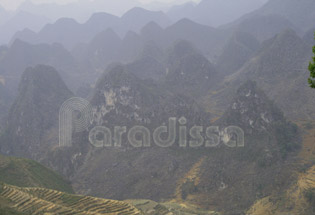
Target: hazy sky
13 4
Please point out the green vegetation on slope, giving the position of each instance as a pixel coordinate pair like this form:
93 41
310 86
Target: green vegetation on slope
28 173
311 67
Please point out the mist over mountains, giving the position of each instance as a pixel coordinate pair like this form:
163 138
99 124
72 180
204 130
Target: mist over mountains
229 78
34 16
215 13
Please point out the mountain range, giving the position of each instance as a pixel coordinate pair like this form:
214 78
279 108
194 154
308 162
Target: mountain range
236 95
69 32
20 55
214 12
120 98
280 65
19 22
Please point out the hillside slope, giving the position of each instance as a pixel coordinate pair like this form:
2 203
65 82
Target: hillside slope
42 201
298 199
28 173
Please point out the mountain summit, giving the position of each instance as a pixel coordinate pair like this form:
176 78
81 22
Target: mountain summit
34 112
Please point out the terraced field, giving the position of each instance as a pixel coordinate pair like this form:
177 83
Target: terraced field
41 201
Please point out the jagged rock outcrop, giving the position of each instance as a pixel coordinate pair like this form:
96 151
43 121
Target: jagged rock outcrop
263 165
201 175
252 109
121 97
34 114
280 68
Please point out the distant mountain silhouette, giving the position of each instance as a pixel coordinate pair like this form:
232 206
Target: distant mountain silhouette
299 13
236 52
21 55
99 22
79 10
188 71
264 27
28 36
20 21
153 32
64 31
137 17
131 46
207 39
70 33
104 48
107 47
150 63
214 12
